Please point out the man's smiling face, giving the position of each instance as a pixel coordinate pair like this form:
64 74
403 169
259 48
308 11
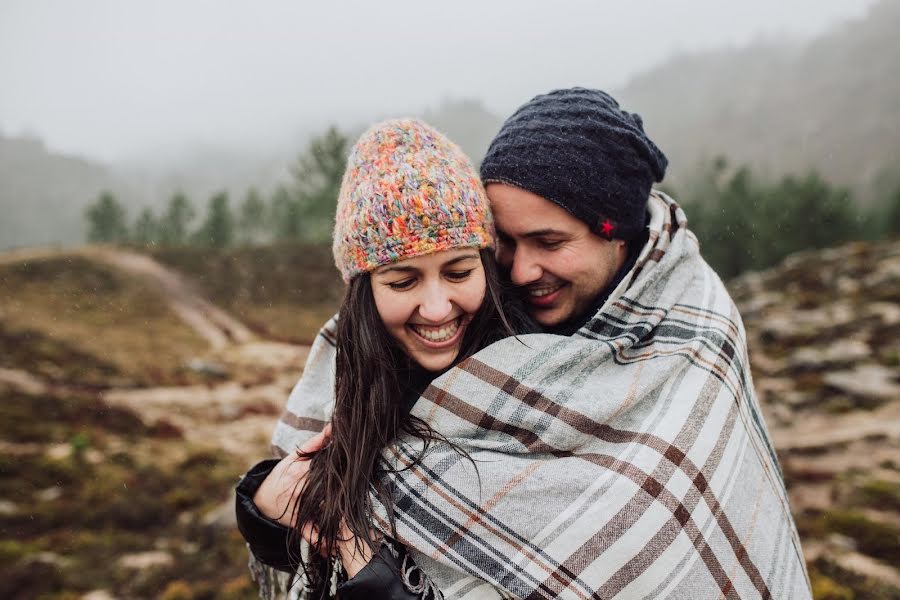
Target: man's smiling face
553 256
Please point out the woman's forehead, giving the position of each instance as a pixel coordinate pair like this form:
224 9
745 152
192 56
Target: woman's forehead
436 260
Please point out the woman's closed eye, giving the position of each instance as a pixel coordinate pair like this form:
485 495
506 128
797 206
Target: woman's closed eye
458 275
403 284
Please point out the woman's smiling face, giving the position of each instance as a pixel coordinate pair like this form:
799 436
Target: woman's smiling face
427 302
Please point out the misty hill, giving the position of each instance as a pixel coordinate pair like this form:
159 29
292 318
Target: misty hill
832 103
43 193
468 123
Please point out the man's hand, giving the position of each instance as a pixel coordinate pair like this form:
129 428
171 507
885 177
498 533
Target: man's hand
278 494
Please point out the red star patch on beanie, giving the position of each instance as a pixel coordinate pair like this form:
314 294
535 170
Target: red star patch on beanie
607 227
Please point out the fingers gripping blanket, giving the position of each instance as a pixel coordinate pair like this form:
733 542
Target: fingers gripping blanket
630 460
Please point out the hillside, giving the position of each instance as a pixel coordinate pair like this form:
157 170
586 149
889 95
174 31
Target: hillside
129 405
133 393
43 193
824 336
831 103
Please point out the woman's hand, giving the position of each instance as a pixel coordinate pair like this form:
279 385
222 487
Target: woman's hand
353 559
279 492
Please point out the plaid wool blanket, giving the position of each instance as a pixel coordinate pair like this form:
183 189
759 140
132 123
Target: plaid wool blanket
629 460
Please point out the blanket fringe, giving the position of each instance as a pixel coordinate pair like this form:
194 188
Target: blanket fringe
273 584
410 573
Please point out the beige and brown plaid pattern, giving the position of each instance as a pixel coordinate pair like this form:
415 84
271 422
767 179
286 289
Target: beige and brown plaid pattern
630 460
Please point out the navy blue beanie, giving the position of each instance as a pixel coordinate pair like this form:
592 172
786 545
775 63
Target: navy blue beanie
578 149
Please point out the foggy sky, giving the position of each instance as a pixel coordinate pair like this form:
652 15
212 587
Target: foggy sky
115 80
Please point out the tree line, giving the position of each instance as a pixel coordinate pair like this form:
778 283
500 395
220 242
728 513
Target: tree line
743 222
302 210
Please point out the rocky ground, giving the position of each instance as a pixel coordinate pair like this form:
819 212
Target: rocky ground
111 486
824 337
115 483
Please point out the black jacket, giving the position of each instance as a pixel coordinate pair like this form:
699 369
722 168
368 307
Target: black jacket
270 542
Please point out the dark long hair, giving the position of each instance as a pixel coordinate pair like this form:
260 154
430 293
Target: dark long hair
372 377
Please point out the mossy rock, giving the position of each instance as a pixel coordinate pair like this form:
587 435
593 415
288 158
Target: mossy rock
878 540
879 494
60 419
825 588
828 577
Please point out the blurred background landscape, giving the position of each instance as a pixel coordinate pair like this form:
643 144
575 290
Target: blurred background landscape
167 183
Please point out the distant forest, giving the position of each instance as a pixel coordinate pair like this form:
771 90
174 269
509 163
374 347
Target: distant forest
743 222
300 211
786 115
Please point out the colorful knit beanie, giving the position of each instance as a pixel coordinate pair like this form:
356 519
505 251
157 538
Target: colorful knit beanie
407 191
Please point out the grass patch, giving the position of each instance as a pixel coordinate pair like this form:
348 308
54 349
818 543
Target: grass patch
56 419
878 540
832 582
116 323
284 291
878 494
147 495
53 360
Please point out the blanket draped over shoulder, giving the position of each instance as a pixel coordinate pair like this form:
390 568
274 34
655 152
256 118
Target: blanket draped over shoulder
630 460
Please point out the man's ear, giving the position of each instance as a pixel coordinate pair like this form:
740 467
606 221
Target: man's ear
621 251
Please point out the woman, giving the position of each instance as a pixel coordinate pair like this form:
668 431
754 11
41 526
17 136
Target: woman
413 238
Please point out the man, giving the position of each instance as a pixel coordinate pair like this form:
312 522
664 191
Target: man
568 177
622 454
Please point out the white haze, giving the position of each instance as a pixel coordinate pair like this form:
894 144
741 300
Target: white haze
117 80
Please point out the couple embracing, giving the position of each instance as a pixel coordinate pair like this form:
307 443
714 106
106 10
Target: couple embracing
535 386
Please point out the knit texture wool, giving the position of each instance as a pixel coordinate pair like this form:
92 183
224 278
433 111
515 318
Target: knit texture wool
408 191
578 149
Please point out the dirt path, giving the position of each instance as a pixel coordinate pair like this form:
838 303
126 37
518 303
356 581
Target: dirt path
237 417
211 322
831 431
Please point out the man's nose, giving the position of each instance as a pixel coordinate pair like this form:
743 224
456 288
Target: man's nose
436 305
524 269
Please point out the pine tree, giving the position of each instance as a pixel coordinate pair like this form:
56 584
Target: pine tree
285 216
317 178
175 223
887 216
106 220
146 228
253 217
218 229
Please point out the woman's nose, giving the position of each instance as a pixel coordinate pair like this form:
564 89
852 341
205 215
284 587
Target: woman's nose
436 305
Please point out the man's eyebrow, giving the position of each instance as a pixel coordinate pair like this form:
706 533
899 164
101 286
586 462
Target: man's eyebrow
543 232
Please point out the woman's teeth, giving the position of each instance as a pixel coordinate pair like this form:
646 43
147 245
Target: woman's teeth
438 334
543 291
